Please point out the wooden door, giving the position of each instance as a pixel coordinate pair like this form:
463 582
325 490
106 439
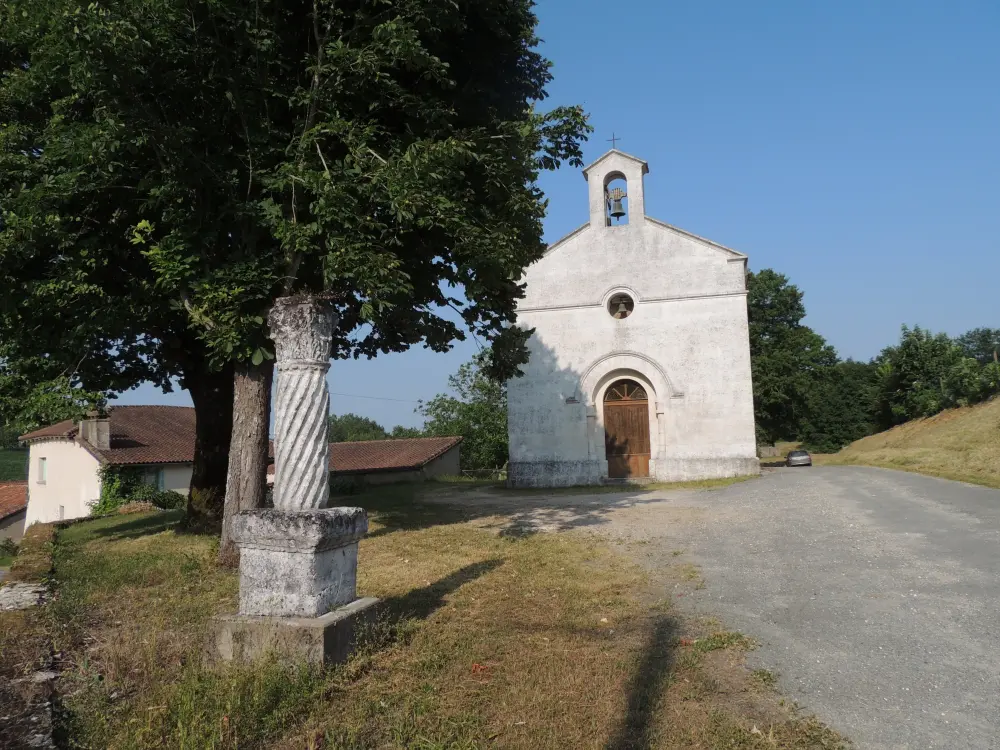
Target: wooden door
626 430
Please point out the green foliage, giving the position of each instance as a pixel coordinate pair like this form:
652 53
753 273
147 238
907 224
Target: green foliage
126 484
926 373
349 427
167 169
406 432
13 465
477 412
33 394
840 406
786 357
981 344
344 485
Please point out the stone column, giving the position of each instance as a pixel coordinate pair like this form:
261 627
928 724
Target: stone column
302 330
298 561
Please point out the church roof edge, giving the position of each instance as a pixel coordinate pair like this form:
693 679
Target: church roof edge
565 238
737 255
615 151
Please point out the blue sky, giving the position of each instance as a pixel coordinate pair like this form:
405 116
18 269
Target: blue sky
853 146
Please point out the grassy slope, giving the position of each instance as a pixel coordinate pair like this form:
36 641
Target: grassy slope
544 641
13 465
962 444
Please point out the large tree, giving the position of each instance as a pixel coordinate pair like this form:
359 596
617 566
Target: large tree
169 167
982 344
345 428
786 356
476 409
840 406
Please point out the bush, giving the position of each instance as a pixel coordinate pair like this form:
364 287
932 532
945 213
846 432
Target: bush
121 485
165 500
344 485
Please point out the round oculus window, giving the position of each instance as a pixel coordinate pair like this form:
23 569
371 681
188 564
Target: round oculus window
620 306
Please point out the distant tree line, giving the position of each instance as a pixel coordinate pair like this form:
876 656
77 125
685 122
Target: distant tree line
804 391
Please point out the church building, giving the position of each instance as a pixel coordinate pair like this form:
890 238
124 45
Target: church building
640 359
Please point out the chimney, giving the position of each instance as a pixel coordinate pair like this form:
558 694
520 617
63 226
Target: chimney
96 430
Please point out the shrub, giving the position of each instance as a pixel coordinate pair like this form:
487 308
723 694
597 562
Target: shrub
121 485
344 485
166 500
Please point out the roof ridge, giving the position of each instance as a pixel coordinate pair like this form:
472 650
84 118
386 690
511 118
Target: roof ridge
148 406
396 440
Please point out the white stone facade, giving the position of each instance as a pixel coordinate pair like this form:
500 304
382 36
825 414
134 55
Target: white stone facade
686 342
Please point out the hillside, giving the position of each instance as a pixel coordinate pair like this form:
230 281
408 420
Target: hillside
962 444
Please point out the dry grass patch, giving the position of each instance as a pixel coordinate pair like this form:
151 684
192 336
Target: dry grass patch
25 646
33 562
542 641
961 444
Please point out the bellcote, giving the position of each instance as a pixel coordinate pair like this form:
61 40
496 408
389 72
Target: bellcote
615 165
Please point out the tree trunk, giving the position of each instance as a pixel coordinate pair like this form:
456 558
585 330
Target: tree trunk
212 394
246 484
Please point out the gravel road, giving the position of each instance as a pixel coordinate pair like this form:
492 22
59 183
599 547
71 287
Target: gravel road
874 595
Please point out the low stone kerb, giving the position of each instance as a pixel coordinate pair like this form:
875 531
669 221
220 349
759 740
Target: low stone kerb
311 530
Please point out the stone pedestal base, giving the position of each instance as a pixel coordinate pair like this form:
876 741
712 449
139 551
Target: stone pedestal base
299 563
328 639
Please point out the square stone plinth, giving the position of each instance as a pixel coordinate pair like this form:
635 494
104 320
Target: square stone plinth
299 563
329 639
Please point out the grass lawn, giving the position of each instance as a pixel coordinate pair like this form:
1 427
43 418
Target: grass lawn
541 641
961 444
13 465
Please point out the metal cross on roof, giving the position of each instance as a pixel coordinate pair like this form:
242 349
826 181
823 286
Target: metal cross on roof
613 140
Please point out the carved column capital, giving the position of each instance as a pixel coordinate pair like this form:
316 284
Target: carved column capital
302 329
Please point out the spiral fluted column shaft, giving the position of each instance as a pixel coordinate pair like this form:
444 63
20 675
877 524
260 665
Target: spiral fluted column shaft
302 330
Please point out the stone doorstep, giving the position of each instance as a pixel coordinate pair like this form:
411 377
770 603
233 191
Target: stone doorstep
328 639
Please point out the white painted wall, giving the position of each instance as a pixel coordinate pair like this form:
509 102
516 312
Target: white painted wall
687 341
447 464
177 477
71 481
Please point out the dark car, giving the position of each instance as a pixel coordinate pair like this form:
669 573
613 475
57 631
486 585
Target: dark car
798 458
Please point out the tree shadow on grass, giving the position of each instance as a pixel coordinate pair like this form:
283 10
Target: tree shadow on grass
523 512
636 731
144 525
394 614
423 602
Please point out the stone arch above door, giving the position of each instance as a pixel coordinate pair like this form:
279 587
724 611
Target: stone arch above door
618 364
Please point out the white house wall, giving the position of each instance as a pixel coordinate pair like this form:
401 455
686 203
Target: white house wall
177 477
71 484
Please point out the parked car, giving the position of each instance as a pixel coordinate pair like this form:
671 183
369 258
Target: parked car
798 458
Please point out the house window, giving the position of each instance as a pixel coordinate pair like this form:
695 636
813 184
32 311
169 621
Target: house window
42 471
62 512
154 478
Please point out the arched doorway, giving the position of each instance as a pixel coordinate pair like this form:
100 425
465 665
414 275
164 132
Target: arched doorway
626 429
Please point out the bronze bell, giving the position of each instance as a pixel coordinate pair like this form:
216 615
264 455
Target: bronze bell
615 197
622 310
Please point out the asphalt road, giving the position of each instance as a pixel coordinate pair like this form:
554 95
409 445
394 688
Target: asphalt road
875 595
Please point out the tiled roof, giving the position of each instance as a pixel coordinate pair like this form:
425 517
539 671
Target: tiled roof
405 454
13 498
139 435
165 434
